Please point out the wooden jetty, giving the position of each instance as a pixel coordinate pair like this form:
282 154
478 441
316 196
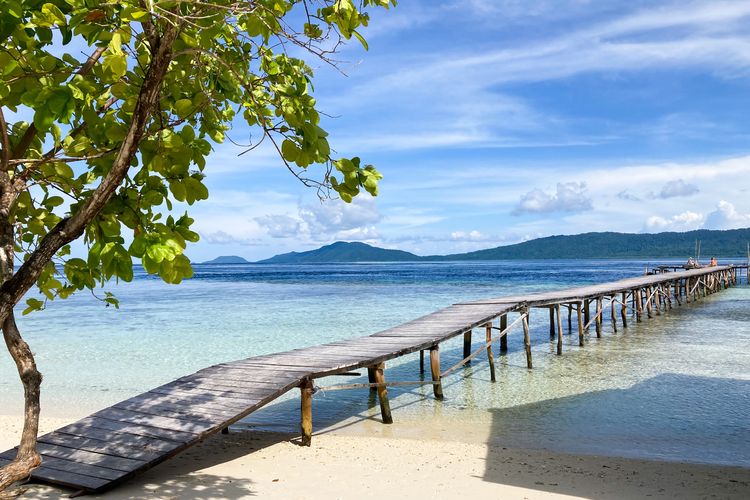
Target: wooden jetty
116 443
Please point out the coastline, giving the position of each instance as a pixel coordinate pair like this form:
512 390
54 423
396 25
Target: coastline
270 465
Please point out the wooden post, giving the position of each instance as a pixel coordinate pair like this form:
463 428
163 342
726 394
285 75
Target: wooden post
624 310
437 389
648 302
586 312
504 338
599 312
225 430
687 290
306 389
559 329
551 322
527 338
570 318
580 324
613 314
385 407
490 357
371 378
467 345
657 299
638 305
678 291
421 361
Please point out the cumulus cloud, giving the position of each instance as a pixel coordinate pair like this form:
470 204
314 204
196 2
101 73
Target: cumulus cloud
473 235
628 196
568 197
679 187
686 221
326 221
279 226
726 216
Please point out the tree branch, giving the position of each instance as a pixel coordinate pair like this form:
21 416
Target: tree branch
31 132
70 228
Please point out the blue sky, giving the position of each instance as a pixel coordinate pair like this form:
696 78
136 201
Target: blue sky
494 122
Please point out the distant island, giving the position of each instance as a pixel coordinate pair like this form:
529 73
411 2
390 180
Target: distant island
227 259
606 245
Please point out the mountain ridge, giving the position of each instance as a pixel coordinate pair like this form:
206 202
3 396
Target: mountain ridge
592 245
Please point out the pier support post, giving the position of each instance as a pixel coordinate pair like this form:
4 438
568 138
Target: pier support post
385 406
527 338
552 322
559 329
687 290
437 389
580 324
371 378
490 356
648 302
570 318
657 299
504 338
586 313
613 314
421 361
467 345
638 305
678 291
624 310
306 389
599 312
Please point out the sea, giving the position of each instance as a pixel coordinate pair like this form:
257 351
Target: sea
675 387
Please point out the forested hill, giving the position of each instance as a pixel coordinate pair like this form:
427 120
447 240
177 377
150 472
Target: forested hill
342 252
730 243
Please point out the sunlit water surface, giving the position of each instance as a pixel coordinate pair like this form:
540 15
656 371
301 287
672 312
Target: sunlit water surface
676 387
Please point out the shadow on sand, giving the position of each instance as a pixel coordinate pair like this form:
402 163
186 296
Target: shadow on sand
672 417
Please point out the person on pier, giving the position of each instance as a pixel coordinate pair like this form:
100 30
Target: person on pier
713 262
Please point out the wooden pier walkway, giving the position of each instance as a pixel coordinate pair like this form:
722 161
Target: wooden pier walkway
116 443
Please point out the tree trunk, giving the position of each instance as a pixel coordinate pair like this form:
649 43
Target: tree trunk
27 459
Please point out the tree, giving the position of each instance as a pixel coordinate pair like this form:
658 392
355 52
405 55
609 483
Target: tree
113 139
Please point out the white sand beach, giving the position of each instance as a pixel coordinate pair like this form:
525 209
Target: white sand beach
349 463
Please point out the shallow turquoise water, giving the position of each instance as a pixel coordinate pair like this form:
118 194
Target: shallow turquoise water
674 387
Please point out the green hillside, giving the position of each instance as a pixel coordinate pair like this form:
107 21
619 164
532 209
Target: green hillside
730 243
342 252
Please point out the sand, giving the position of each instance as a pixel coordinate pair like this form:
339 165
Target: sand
248 464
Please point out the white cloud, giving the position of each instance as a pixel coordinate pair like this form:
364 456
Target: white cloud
726 216
569 197
473 235
677 188
325 221
685 221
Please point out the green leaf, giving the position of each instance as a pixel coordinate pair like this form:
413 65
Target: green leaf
361 39
183 108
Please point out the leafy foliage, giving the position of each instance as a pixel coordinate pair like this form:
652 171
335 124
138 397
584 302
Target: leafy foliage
230 60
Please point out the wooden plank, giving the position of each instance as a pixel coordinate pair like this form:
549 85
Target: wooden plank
187 412
218 390
117 449
86 469
115 438
102 422
110 462
168 423
69 479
